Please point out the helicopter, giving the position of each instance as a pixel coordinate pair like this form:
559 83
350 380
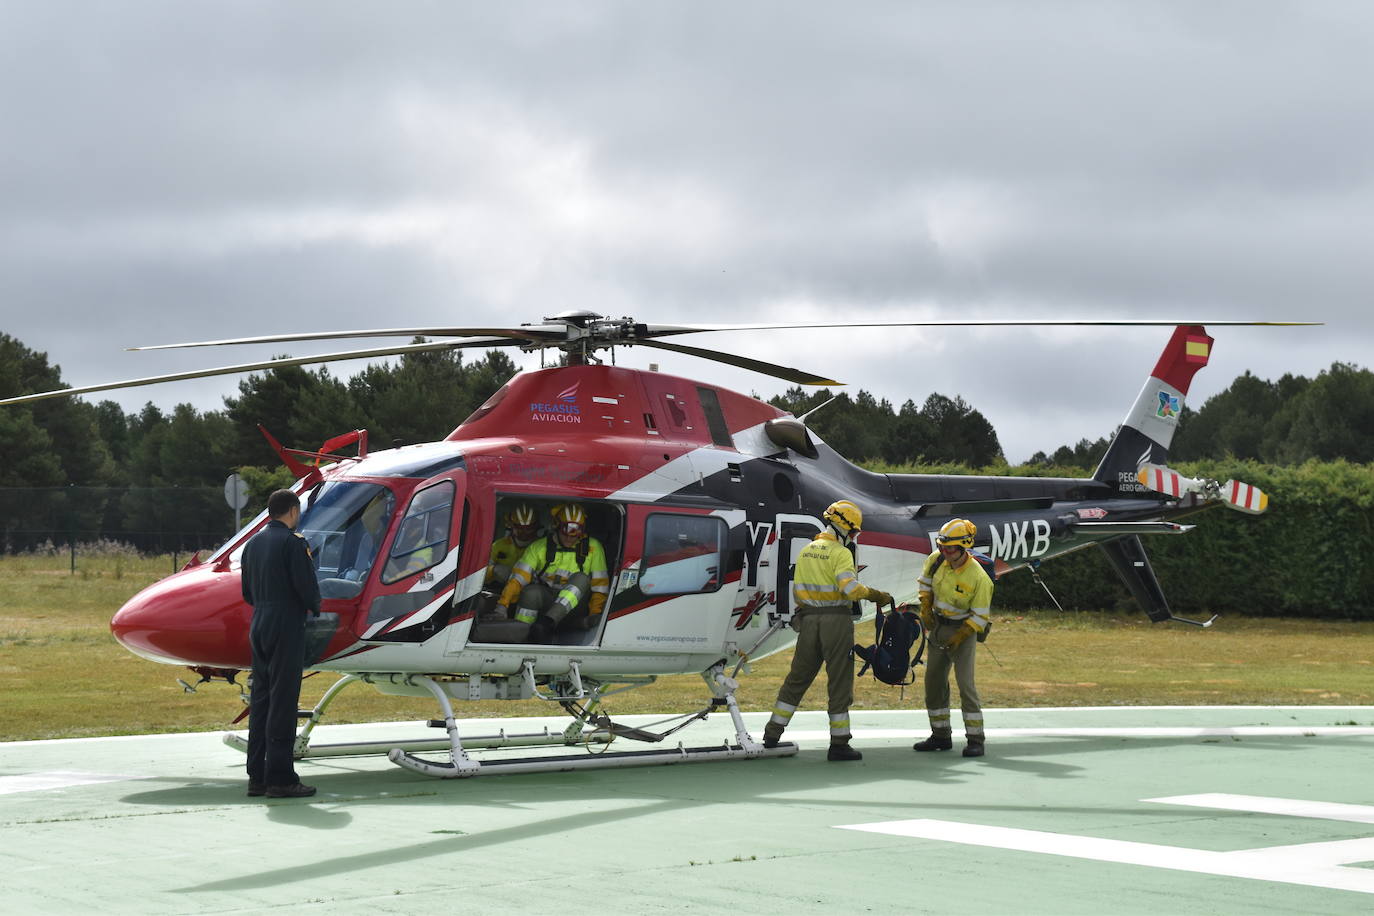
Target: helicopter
701 497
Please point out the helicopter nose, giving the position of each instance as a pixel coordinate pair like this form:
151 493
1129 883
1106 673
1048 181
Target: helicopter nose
195 617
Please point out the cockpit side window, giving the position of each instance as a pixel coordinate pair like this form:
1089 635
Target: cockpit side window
422 540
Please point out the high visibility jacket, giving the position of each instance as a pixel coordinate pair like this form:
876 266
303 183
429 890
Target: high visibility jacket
505 552
557 570
825 575
958 594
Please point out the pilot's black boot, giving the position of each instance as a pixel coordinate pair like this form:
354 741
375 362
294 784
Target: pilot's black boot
541 632
840 750
941 739
974 747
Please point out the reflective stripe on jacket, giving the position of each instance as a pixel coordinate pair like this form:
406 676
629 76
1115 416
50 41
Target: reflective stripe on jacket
505 552
825 575
960 594
556 572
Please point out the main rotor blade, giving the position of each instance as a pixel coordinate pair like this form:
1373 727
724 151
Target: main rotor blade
785 373
663 330
265 364
534 333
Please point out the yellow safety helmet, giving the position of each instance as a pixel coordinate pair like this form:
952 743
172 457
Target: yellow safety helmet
957 532
571 519
846 517
523 519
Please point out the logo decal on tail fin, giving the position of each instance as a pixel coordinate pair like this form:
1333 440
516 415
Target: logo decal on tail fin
1168 406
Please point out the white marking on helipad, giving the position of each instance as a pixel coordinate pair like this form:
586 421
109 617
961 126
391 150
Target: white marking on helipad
55 779
1259 804
1308 864
1230 731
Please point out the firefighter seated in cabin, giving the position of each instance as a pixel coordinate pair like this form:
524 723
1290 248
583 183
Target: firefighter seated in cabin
522 527
561 582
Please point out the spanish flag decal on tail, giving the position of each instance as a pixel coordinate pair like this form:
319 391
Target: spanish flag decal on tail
1197 349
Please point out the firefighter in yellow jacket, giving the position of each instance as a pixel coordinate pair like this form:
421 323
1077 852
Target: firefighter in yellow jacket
956 598
561 580
824 589
522 526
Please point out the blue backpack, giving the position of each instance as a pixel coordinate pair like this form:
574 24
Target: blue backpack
890 656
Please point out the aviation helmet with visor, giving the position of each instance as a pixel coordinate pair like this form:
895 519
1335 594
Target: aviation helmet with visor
845 517
571 520
957 532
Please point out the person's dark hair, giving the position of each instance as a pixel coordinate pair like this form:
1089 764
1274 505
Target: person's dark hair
281 502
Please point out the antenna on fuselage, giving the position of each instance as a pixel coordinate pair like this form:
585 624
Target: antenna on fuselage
816 408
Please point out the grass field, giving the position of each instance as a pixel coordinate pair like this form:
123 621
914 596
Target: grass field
63 675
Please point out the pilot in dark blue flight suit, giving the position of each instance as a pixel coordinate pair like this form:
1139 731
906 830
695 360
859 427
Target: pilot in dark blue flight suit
279 581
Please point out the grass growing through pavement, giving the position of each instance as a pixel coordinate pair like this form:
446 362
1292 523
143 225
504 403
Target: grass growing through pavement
64 676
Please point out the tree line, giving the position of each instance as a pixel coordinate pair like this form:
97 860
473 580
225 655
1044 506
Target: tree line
69 466
94 453
1285 422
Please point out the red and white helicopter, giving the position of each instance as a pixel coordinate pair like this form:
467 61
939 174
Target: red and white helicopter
700 496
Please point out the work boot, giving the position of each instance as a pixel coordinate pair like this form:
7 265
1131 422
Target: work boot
941 739
974 748
771 738
843 751
296 790
256 789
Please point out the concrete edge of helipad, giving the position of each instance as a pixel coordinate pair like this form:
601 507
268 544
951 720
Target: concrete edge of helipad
1057 721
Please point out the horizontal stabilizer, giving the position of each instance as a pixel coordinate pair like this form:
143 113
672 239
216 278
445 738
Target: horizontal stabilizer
1134 527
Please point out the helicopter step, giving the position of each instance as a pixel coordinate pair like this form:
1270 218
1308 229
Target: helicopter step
239 742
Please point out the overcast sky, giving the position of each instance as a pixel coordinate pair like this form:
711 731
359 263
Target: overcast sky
183 171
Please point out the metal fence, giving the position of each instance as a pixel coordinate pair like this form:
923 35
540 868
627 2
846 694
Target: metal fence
153 520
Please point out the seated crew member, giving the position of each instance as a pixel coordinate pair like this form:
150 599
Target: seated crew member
522 527
559 574
407 556
367 534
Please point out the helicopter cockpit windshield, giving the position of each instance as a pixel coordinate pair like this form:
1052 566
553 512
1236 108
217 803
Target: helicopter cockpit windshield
345 526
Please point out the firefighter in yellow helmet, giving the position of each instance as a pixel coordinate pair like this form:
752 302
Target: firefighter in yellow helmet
561 580
522 527
956 598
824 589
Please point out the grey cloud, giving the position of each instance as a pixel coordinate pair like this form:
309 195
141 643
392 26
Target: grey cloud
174 169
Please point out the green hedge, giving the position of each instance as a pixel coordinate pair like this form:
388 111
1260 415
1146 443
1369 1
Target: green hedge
1310 555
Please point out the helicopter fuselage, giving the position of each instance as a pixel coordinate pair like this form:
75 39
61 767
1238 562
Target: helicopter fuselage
700 497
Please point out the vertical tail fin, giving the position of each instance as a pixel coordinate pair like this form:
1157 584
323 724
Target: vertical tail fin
1148 429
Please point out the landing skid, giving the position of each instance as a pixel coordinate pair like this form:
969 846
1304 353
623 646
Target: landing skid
589 728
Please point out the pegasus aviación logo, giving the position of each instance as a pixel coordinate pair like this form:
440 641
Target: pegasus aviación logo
562 409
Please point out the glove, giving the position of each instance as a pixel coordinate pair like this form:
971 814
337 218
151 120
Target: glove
928 618
879 597
964 633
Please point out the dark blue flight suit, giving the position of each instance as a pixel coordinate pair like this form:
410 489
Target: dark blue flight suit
279 582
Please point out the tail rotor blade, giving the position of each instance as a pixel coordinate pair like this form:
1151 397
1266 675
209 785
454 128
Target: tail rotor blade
1244 498
1164 480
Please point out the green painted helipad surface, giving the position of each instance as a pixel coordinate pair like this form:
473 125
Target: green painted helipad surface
1219 810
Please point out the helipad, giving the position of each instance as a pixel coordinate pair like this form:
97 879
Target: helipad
1123 810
